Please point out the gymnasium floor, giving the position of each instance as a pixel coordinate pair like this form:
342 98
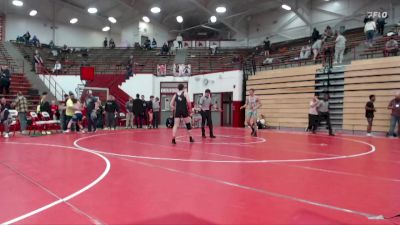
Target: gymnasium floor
138 177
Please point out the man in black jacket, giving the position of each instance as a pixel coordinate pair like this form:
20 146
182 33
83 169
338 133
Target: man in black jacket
137 111
44 104
112 110
4 116
5 79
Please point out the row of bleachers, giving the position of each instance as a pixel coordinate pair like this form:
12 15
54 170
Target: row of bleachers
377 49
380 77
285 94
106 61
202 61
286 53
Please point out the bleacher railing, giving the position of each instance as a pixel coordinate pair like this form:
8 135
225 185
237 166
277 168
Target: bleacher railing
52 84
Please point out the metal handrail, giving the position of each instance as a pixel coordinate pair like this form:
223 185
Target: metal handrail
52 84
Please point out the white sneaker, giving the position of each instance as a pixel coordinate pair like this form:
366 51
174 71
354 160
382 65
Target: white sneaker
6 135
369 134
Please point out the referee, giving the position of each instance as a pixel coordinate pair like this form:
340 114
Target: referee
205 105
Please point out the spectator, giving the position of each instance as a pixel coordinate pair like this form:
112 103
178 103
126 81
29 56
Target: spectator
44 105
69 110
154 43
156 112
38 62
369 113
328 33
213 48
394 105
57 68
105 42
324 115
179 39
316 48
65 49
129 113
5 80
35 41
165 49
267 47
91 105
129 67
150 112
77 117
169 123
21 106
305 51
62 109
340 46
5 118
391 47
369 30
380 25
112 110
144 108
147 44
99 113
27 37
137 111
313 118
54 109
314 35
111 43
51 44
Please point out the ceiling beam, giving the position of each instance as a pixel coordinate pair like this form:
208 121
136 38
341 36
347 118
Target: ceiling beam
230 26
328 12
81 10
355 12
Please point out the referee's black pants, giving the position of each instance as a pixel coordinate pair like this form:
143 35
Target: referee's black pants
206 116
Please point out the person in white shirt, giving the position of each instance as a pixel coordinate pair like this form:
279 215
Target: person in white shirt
313 115
316 48
340 46
369 30
305 51
179 39
57 68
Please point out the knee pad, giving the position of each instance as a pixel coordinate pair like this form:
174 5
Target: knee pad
189 126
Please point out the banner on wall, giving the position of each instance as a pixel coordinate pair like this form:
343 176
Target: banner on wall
201 44
161 69
182 70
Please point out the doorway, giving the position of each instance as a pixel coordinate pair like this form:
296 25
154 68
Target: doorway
227 112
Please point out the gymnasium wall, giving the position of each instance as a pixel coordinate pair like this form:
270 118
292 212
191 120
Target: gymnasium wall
380 77
148 84
65 34
285 94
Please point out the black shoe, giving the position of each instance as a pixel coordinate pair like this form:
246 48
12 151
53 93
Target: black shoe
203 136
212 136
191 139
173 141
254 134
331 134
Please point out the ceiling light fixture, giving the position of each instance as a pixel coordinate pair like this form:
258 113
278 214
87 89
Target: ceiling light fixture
73 21
112 19
286 7
146 19
155 9
179 19
106 28
213 19
18 3
92 10
33 12
220 9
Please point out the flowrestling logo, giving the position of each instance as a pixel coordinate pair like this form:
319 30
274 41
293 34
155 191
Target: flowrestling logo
378 14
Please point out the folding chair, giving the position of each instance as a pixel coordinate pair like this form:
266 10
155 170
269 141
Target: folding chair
50 124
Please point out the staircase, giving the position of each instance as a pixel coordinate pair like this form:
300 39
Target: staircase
31 76
20 83
112 82
180 57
